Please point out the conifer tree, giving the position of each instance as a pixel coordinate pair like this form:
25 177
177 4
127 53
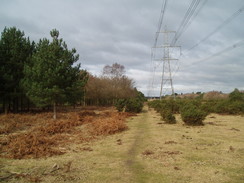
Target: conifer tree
15 51
51 77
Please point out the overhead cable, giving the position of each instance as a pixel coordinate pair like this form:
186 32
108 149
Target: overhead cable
160 22
228 20
189 13
238 44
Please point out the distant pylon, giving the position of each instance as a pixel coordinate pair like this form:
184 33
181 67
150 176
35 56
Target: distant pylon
166 56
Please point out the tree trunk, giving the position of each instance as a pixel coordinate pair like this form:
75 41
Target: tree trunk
3 107
6 106
21 103
84 99
28 105
54 111
6 109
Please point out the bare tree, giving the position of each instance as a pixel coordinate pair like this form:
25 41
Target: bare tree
114 71
110 87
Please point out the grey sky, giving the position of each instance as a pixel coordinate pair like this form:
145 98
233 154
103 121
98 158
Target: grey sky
123 31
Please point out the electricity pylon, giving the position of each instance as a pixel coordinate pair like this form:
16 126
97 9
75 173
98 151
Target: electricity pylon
167 55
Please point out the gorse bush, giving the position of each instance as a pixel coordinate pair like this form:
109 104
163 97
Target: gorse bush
209 106
236 95
159 105
131 104
156 104
233 105
229 107
194 111
168 116
192 114
120 104
167 109
134 105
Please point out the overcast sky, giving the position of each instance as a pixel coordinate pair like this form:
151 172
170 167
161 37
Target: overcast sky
123 31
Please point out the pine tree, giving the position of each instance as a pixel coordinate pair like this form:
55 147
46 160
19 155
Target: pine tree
51 77
15 51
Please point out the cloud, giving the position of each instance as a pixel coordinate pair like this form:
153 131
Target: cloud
107 31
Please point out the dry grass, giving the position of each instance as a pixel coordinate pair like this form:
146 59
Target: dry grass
150 151
211 153
25 138
109 124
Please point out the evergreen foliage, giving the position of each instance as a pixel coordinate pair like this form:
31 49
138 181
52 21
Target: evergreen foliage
167 108
134 104
15 52
168 116
45 73
51 77
192 114
236 95
232 105
120 104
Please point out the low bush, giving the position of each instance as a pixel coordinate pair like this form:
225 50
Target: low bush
167 109
209 106
230 107
131 104
155 104
225 106
172 105
169 104
236 95
120 104
134 105
168 116
192 114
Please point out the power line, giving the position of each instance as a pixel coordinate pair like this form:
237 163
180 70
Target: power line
197 12
160 22
230 48
228 20
189 13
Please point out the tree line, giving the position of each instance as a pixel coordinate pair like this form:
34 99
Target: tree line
112 85
44 74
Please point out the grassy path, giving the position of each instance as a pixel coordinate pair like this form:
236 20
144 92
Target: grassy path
119 158
141 139
142 128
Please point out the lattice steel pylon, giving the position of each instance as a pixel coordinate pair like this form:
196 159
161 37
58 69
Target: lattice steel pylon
166 54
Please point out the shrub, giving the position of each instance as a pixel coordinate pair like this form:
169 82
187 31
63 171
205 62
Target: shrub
166 108
237 107
214 95
120 104
156 104
134 105
169 104
168 116
192 115
221 107
172 105
129 105
209 106
236 95
224 107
